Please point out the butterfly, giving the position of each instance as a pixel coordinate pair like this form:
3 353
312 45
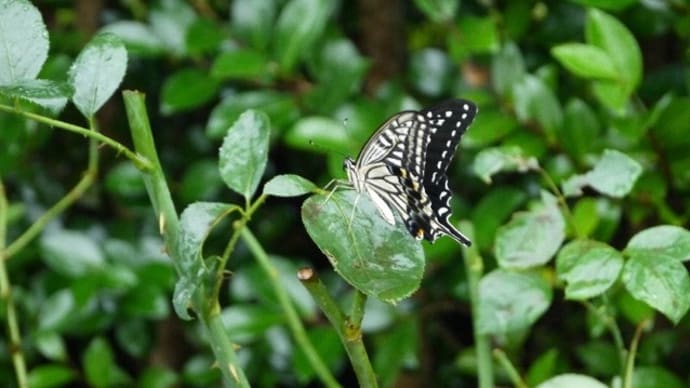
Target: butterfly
402 167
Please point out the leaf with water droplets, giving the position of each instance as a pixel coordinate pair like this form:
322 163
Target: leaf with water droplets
23 41
51 95
97 72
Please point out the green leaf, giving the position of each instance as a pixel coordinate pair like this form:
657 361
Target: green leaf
489 127
507 69
614 174
507 158
50 376
477 35
196 223
492 211
300 23
585 60
97 72
609 34
100 367
56 311
531 238
23 41
580 129
511 301
542 368
253 21
171 21
667 240
655 377
145 301
158 377
535 101
70 253
242 64
589 268
323 132
52 95
205 36
659 280
201 181
431 71
571 380
438 10
288 185
125 180
279 107
377 258
244 153
586 216
340 71
187 89
50 345
138 38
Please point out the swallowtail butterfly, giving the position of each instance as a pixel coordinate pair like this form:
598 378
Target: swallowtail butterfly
402 167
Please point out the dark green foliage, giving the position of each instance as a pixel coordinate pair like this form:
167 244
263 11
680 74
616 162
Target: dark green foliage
573 184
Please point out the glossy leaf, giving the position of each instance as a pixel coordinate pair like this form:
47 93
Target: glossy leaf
71 253
589 268
507 69
280 108
609 34
667 240
242 64
531 238
187 89
300 23
170 21
580 130
51 375
571 380
492 211
196 223
99 365
508 158
614 175
51 95
23 41
253 20
511 301
97 72
660 281
585 61
288 185
315 133
535 101
244 153
377 258
476 35
655 376
138 38
431 71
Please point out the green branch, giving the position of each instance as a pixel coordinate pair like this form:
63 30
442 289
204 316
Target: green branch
474 267
139 162
350 334
15 339
291 316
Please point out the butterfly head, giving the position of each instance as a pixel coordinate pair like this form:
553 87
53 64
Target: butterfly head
351 169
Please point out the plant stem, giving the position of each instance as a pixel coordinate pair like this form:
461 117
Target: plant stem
15 339
349 333
138 161
561 199
223 349
612 326
630 363
509 368
291 316
474 267
71 197
164 208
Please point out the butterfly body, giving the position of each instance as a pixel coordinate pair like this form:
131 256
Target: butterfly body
402 167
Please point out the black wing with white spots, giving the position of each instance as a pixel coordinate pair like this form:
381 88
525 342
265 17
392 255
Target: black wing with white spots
403 167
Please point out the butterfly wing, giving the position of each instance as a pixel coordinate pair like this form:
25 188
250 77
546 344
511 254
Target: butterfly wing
448 122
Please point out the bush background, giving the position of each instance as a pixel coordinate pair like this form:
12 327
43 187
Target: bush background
327 74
